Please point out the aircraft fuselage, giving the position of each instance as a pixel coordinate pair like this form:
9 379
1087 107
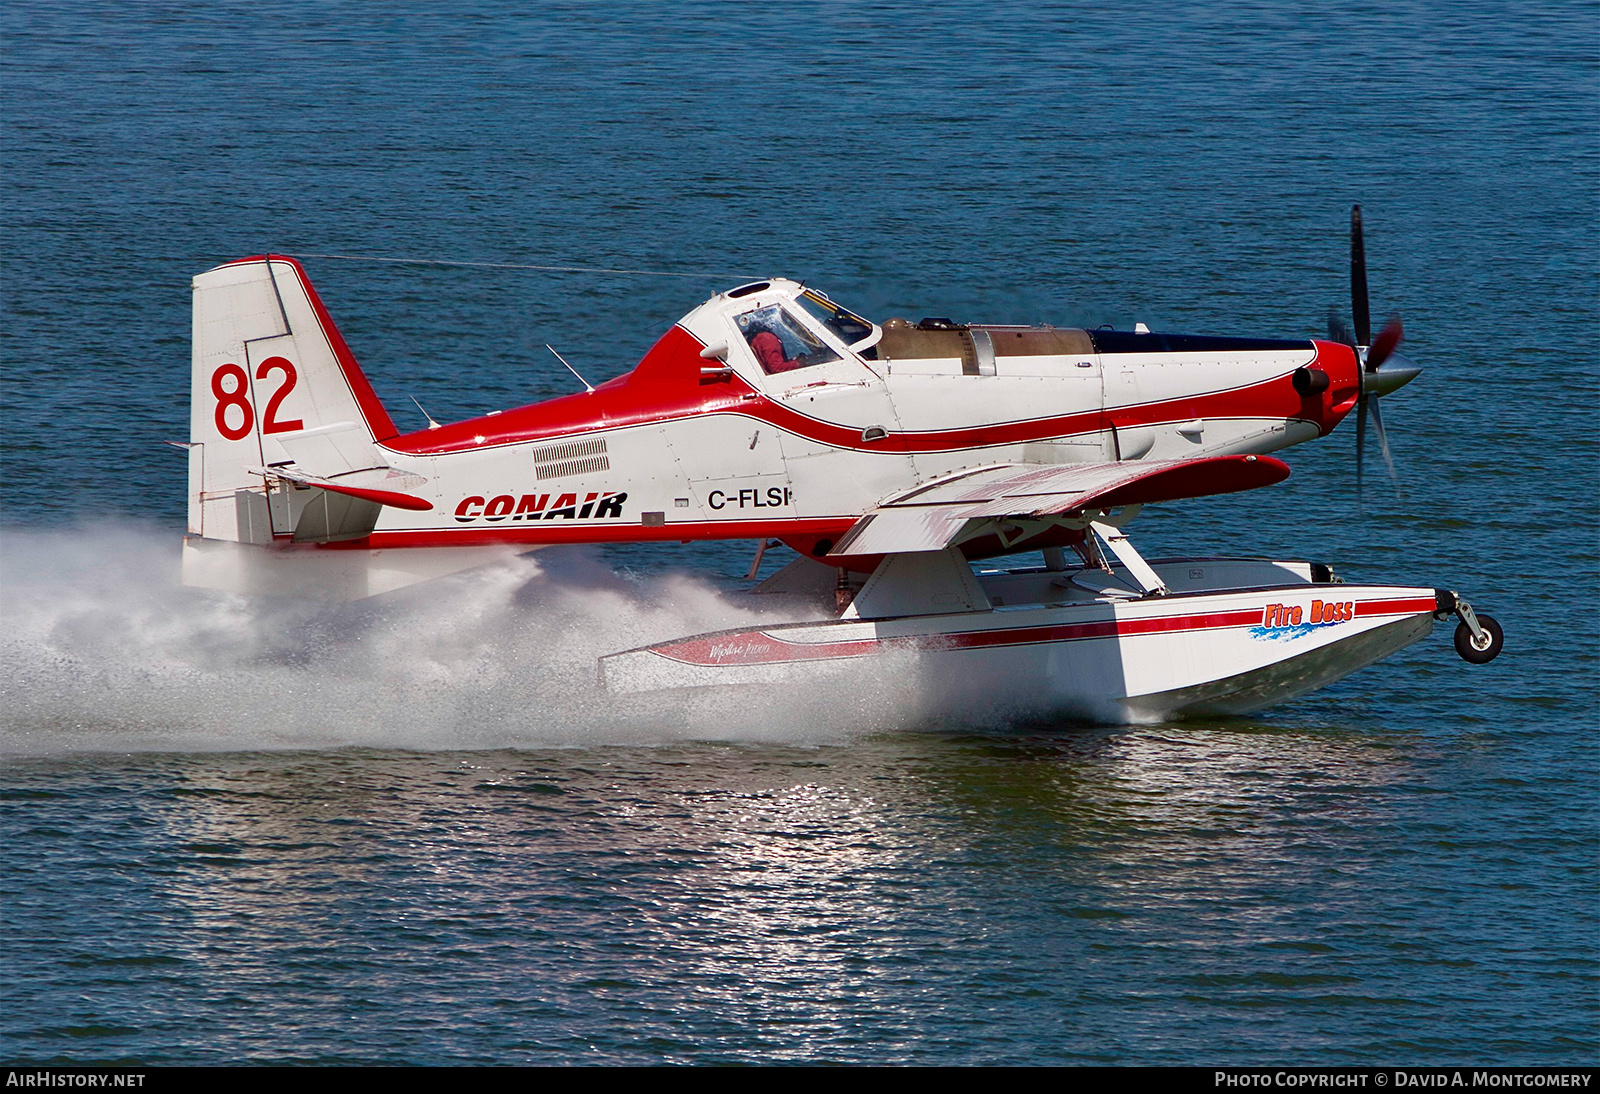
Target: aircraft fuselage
765 412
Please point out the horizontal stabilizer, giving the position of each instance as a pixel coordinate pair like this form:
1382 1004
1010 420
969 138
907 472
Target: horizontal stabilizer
935 515
383 485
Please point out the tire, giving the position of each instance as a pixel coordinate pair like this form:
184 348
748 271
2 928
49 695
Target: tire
1471 651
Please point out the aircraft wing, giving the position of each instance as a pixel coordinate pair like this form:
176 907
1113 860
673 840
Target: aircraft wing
933 515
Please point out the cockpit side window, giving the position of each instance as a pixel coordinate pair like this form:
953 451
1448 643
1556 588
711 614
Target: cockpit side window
779 342
850 328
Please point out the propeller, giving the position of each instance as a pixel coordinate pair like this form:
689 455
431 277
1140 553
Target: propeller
1382 369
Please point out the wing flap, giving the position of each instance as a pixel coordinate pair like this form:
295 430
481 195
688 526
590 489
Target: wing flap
931 516
890 531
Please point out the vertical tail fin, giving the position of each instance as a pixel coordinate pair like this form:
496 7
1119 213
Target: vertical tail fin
270 372
273 383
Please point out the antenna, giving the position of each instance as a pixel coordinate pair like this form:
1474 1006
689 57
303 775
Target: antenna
587 386
431 423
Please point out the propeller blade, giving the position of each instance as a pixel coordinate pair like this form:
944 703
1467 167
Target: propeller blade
1358 279
1383 441
1379 351
1361 439
1338 329
1388 338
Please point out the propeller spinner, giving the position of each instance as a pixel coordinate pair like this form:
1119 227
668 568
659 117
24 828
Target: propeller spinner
1382 369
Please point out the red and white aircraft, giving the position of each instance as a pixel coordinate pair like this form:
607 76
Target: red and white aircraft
768 412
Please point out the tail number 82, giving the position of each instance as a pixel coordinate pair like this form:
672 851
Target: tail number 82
232 388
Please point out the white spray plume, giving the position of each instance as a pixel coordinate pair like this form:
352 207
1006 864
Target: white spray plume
102 648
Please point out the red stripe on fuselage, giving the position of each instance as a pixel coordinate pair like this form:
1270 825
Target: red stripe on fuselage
667 386
545 532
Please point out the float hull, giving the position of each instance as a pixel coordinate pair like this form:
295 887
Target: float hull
1197 651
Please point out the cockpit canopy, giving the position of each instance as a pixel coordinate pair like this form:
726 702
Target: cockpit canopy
852 330
800 328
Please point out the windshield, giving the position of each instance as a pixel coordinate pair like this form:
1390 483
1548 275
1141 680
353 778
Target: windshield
780 343
850 328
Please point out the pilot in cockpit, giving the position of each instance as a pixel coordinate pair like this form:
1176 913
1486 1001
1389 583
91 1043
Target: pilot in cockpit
768 348
773 336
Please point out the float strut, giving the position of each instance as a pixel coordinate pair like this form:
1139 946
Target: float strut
842 593
761 549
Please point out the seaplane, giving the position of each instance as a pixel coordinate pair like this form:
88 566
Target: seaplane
892 458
